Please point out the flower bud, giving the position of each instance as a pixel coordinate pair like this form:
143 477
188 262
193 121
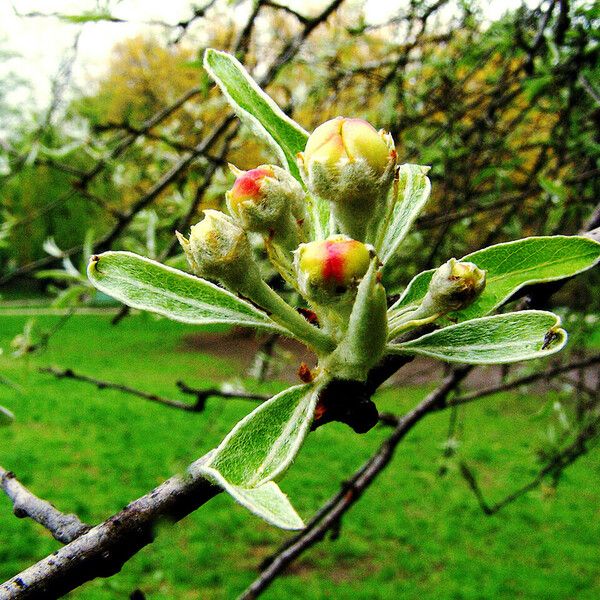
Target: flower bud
266 199
328 269
349 163
454 285
218 248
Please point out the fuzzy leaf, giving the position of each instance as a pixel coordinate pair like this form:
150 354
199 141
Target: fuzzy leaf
260 448
414 188
256 109
511 266
266 501
264 443
148 285
492 340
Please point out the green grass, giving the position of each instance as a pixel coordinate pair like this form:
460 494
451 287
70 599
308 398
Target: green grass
413 535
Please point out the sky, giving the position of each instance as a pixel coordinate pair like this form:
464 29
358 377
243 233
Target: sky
41 43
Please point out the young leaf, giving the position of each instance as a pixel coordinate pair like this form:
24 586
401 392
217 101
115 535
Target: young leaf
145 284
260 448
256 109
511 266
266 501
414 188
264 443
492 340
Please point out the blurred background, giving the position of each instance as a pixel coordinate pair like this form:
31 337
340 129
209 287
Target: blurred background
113 136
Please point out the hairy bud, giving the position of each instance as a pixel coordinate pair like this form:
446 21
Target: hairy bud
454 285
349 163
328 269
267 200
218 248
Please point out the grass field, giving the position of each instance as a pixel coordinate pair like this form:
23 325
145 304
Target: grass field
414 534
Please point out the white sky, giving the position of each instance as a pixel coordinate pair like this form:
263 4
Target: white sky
41 42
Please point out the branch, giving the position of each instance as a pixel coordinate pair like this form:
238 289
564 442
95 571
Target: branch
201 395
63 527
104 549
329 515
525 380
554 467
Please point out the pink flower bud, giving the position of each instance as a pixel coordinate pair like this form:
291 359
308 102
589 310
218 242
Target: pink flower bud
329 268
247 186
268 200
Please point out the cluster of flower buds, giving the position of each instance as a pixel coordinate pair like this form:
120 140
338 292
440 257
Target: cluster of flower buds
350 164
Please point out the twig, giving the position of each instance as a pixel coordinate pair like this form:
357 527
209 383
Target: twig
201 395
525 380
63 527
558 463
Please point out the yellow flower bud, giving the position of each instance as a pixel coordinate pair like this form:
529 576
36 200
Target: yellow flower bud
343 140
218 248
349 163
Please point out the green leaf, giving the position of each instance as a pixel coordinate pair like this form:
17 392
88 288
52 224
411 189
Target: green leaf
492 340
511 266
414 188
262 446
266 501
414 293
256 109
148 285
6 417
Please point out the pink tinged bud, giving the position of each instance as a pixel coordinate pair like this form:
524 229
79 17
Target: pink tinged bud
332 265
270 201
248 186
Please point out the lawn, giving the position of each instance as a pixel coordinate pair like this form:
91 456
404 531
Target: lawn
415 534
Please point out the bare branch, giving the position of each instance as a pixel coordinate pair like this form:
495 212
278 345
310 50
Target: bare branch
104 549
201 395
63 527
554 467
525 380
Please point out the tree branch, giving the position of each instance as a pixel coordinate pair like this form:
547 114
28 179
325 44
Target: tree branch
104 549
201 395
555 466
526 380
63 527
